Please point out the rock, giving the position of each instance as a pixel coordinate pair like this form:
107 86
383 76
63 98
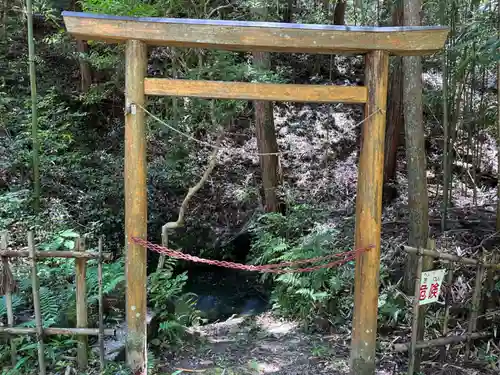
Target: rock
114 346
254 306
206 363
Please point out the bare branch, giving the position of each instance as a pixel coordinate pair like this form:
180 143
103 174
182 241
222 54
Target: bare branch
193 190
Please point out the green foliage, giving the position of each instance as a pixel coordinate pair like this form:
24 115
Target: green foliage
113 279
297 236
325 293
121 8
81 138
163 288
17 301
11 207
27 349
174 309
63 240
57 300
393 308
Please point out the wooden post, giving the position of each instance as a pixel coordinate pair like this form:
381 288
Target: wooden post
4 237
36 304
368 216
415 321
476 299
135 203
57 331
164 242
427 265
81 305
441 341
446 315
101 308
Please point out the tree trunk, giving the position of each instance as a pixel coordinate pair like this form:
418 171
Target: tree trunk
395 118
266 135
85 71
498 139
82 48
3 18
446 126
34 108
339 13
418 201
326 8
288 14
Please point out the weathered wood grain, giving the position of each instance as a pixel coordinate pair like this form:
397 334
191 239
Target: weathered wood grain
369 216
256 91
81 306
54 331
136 203
256 36
54 254
35 285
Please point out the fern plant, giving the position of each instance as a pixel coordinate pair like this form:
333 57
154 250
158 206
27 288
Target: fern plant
164 287
113 276
297 236
326 293
17 301
174 308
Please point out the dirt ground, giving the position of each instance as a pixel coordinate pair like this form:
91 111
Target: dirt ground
259 345
267 345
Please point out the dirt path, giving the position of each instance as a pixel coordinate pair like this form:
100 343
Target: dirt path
266 345
259 345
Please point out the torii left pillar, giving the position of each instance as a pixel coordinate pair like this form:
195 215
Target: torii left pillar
136 204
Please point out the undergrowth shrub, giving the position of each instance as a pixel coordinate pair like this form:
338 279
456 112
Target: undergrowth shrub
174 309
324 294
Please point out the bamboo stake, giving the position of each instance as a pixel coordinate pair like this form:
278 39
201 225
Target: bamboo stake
449 257
101 309
10 323
36 302
34 113
446 129
427 265
476 297
164 242
489 287
449 280
54 254
416 306
442 341
53 331
8 299
81 306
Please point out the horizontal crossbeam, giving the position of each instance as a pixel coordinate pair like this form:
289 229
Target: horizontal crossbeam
53 331
55 254
448 257
253 36
256 91
440 341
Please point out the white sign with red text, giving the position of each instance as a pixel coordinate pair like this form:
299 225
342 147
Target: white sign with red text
430 286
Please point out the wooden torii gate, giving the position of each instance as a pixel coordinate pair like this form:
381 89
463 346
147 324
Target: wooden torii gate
376 43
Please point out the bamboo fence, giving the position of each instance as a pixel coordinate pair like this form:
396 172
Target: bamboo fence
82 331
416 343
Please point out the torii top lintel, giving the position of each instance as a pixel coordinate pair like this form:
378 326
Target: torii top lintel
256 36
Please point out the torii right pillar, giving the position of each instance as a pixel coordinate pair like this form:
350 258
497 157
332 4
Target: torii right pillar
369 215
369 210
